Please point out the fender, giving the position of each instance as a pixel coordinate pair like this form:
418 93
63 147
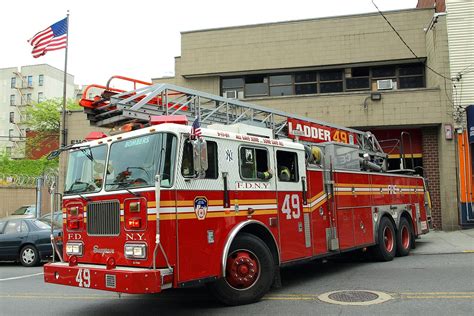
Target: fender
234 232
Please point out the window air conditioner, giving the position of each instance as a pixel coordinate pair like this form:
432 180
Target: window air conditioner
230 94
386 84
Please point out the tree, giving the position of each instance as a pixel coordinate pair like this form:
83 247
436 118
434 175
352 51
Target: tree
46 116
44 122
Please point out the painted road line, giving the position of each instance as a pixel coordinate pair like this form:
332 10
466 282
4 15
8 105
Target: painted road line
22 277
468 251
437 293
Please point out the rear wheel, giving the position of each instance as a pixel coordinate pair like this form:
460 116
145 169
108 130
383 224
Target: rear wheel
404 238
385 248
29 256
250 270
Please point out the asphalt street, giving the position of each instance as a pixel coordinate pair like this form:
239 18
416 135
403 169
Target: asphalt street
436 284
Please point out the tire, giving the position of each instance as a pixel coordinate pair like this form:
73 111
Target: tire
404 238
386 246
29 256
250 271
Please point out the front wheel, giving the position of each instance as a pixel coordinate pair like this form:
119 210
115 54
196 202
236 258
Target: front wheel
29 256
385 248
250 270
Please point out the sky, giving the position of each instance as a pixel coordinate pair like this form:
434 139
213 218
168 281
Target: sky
140 38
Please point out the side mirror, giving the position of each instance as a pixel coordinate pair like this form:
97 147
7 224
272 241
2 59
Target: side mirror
200 157
54 154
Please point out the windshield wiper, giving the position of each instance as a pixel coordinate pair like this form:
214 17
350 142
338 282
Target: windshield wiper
57 152
122 185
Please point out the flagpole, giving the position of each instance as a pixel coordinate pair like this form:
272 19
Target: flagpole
64 130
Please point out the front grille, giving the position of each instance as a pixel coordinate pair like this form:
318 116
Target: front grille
103 218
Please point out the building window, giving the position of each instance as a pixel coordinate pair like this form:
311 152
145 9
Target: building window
28 98
30 81
256 86
12 99
390 77
12 117
357 78
411 76
40 80
10 134
330 81
13 82
233 87
40 97
281 85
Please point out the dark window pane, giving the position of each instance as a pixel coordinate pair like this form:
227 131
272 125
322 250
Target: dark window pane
305 76
255 89
357 83
233 83
330 75
305 88
283 79
411 82
281 90
379 72
360 72
414 69
330 87
255 79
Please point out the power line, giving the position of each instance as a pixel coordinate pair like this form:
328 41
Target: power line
409 48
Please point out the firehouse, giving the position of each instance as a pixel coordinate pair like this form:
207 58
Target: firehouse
205 189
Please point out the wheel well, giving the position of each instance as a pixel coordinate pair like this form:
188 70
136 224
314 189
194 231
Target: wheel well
265 236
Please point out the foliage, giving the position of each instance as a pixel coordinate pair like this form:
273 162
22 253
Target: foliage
26 167
46 116
44 119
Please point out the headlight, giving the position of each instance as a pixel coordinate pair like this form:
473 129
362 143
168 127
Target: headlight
135 251
74 249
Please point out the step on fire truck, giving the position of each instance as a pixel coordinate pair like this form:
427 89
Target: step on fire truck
205 189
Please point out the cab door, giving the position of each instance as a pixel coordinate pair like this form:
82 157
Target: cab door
293 209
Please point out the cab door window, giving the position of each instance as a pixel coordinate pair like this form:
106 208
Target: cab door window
187 164
287 166
254 164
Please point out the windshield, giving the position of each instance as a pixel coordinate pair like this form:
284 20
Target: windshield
133 163
22 211
41 224
85 171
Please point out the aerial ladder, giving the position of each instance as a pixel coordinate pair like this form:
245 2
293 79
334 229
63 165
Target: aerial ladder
115 107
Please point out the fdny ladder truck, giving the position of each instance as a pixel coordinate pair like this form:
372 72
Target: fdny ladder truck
226 200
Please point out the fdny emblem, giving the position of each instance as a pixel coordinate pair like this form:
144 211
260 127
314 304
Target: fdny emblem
200 207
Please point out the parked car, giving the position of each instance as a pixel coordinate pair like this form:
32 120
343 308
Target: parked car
57 219
26 240
25 211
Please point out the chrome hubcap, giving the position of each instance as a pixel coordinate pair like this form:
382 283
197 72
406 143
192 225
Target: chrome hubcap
28 256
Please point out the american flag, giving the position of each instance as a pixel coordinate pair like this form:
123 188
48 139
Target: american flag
53 37
196 128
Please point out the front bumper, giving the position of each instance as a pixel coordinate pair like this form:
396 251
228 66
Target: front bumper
120 279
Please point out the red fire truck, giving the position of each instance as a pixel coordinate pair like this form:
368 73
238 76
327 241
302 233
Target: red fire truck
206 189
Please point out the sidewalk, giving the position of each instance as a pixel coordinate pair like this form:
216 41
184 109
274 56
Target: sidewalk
439 242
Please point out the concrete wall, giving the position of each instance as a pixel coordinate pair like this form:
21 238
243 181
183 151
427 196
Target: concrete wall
12 198
326 41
